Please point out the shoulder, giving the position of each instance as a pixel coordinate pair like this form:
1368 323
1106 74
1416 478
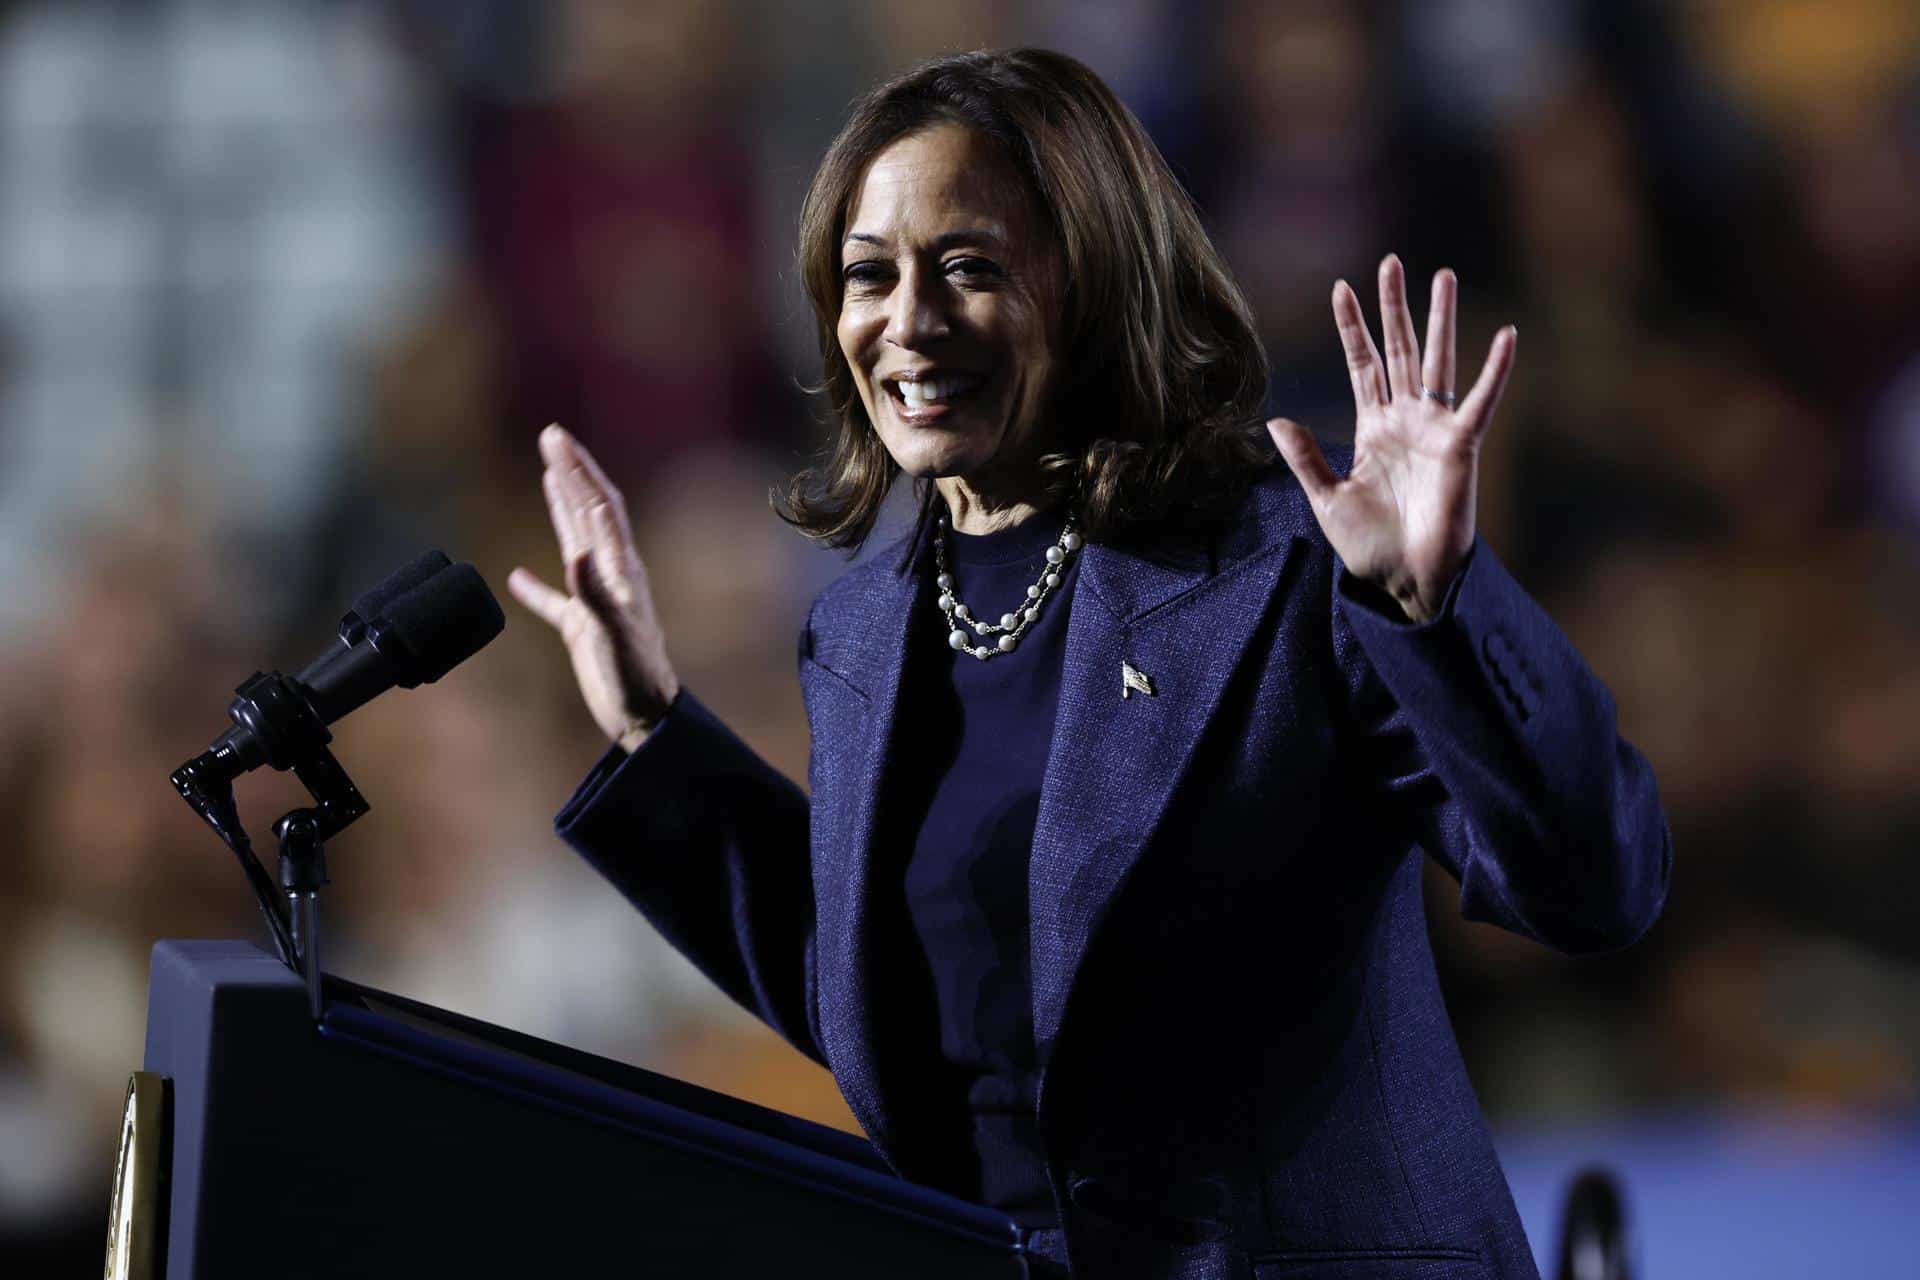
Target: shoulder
862 597
1276 510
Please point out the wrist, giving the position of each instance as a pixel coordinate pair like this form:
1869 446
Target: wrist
1396 596
641 723
1401 593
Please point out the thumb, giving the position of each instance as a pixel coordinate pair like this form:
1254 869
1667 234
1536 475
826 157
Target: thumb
548 605
1303 458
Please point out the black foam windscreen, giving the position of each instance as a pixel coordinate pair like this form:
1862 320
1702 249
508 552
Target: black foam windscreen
398 583
439 624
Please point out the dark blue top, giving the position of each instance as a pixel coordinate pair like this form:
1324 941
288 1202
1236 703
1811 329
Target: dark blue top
980 733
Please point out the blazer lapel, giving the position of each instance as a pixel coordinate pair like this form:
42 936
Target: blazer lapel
851 738
1182 628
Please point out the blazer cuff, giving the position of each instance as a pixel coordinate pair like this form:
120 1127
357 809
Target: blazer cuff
619 777
1368 605
1487 626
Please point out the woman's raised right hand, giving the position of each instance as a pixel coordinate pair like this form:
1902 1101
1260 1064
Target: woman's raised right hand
605 616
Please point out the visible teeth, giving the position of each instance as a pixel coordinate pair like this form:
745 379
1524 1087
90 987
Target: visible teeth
920 394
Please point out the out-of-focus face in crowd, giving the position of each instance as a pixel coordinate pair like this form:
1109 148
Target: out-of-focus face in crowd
950 315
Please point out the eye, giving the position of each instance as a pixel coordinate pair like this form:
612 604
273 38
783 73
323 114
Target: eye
865 272
972 268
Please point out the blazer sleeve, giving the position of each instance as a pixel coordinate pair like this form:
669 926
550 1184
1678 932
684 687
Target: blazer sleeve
709 841
1495 747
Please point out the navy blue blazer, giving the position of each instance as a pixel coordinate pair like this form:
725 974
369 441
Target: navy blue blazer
1246 1066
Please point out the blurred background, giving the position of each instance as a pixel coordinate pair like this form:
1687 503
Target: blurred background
287 288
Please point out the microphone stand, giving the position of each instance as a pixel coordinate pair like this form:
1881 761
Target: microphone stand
293 737
303 855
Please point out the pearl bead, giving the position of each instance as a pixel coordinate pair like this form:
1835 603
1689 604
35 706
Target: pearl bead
1071 541
960 611
958 639
1033 615
1007 620
944 582
1007 643
1055 555
1033 593
1053 580
946 601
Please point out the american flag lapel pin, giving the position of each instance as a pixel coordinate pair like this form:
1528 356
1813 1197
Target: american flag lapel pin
1132 678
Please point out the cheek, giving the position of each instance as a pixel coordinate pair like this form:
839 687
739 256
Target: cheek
1022 324
852 348
1032 349
859 331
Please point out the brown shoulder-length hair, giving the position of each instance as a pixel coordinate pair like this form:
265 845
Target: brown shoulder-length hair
1160 363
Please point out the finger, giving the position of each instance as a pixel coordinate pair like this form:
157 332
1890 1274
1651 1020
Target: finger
563 450
1363 361
1396 329
564 515
1476 411
610 560
587 494
542 601
1303 458
1437 372
553 444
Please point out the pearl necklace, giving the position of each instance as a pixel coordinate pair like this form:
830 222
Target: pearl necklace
1011 625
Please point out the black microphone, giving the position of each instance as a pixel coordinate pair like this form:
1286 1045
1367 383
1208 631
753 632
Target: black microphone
420 623
370 607
426 621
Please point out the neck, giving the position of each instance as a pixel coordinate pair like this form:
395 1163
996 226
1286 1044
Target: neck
973 510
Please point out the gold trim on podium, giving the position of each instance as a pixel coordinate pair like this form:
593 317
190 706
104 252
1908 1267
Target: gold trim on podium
133 1218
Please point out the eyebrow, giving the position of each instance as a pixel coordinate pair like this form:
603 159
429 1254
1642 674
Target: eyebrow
941 243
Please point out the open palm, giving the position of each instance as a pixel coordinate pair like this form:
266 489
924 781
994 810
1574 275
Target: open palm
606 616
1402 517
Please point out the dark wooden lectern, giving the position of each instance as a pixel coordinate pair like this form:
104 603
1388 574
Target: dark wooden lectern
400 1140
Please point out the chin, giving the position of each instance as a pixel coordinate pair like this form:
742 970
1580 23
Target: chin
934 453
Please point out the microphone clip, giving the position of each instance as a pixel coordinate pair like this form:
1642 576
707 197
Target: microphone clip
291 736
284 727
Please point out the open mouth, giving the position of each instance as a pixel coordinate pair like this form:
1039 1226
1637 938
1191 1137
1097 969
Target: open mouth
928 395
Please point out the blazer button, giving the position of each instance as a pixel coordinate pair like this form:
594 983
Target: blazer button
1515 695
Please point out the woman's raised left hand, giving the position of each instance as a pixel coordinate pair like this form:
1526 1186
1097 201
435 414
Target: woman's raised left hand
1402 518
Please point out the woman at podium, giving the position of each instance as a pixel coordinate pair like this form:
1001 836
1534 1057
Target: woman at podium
1103 903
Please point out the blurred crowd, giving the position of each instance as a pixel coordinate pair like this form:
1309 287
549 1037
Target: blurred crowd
287 289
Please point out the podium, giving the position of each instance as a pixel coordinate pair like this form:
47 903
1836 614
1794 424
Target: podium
395 1139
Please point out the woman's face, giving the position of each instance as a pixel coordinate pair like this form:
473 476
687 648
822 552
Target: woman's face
950 307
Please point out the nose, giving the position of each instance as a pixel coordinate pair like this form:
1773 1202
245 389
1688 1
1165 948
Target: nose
917 311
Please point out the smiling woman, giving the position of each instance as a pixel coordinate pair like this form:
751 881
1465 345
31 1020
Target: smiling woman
950 296
1108 912
1009 213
